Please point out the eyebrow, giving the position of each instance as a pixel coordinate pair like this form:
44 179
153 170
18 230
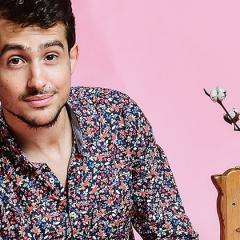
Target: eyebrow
52 44
9 47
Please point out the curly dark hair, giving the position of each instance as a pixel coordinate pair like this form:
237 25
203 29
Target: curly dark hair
41 13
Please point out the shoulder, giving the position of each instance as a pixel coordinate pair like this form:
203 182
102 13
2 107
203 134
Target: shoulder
97 94
108 103
113 111
102 98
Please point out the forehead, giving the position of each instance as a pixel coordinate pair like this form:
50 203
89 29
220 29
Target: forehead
31 35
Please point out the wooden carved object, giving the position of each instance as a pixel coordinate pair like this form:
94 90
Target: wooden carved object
228 203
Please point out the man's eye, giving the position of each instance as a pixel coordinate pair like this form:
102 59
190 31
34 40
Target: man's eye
51 57
15 61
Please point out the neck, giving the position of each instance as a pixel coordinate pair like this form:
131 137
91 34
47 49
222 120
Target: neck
41 138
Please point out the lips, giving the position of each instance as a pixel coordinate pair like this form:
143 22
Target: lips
38 101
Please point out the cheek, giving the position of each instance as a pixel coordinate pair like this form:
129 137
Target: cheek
5 92
9 92
12 82
60 77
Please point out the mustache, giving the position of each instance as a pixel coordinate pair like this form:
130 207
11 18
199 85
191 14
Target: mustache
37 92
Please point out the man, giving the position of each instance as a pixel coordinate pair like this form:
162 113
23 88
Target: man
75 163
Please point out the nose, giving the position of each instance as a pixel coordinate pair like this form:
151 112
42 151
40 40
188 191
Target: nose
35 79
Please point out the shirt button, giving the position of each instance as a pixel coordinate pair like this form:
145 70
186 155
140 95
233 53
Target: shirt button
51 180
72 215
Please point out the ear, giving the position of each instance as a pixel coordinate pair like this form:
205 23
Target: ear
73 56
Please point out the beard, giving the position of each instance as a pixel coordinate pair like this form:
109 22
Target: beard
33 123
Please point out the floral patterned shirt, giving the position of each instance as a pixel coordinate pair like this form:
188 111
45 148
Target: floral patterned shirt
118 177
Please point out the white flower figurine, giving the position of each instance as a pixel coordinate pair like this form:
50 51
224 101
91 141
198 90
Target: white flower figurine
233 113
232 116
218 94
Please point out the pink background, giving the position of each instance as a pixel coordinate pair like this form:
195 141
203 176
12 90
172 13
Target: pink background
163 53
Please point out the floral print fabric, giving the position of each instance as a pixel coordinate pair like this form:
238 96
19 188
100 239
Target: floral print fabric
118 177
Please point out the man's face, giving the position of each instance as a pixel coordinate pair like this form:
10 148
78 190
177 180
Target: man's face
35 70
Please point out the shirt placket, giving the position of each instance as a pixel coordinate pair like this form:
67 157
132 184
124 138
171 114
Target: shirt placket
58 197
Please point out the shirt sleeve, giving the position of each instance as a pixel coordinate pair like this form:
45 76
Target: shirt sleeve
158 211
